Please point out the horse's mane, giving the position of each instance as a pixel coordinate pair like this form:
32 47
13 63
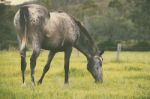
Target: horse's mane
83 29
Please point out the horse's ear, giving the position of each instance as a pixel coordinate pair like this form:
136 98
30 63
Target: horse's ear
101 53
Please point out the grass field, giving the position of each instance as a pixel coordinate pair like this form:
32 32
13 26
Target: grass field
127 79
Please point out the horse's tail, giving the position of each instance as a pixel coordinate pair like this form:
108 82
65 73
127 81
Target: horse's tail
24 22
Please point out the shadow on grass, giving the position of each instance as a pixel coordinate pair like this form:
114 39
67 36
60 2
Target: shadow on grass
124 68
137 77
72 72
133 68
6 94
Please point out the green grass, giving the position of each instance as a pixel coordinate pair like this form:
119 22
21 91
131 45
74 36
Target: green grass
127 79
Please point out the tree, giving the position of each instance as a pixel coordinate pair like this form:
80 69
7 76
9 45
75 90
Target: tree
7 32
140 17
138 11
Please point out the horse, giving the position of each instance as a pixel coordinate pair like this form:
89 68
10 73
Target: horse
56 32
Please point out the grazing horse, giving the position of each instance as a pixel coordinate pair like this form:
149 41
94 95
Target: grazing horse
55 31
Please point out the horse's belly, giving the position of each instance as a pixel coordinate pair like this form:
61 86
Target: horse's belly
55 44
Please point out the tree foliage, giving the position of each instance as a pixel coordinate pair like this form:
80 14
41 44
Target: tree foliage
123 21
7 35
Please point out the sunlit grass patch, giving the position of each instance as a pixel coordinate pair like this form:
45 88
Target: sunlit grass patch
127 79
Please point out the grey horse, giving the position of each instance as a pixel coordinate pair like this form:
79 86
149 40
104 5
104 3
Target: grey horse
56 32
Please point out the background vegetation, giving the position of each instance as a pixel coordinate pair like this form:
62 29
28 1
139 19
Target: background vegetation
108 21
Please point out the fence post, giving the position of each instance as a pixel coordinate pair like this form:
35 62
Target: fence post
118 52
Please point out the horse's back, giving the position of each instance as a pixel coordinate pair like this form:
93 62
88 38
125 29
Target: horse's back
63 24
61 29
52 30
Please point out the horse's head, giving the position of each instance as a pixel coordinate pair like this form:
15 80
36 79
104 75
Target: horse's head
94 66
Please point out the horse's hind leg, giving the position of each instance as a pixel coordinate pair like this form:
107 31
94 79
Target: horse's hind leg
47 66
66 63
23 64
35 54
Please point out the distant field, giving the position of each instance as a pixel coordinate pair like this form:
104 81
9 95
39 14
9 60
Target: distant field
127 79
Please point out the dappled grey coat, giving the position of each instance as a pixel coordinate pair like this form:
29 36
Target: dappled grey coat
55 31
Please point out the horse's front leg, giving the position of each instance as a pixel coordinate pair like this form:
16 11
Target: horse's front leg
47 65
66 64
23 65
35 54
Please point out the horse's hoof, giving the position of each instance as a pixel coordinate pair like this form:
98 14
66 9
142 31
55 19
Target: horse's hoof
66 83
39 82
32 85
23 85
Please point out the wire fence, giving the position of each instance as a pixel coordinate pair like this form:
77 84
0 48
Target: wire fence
13 45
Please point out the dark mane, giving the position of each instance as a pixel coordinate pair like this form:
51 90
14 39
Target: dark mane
83 29
85 32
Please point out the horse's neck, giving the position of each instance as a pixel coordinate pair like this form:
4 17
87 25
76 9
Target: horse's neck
86 46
